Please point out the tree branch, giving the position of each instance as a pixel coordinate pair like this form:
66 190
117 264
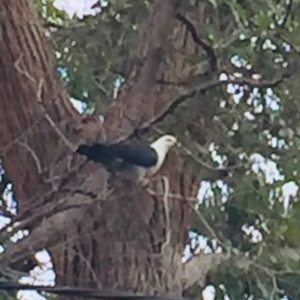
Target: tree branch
206 86
208 49
196 269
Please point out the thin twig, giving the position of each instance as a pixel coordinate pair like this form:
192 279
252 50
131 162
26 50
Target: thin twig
37 161
21 71
167 213
51 122
208 49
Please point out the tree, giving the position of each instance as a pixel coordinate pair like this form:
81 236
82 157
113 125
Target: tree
103 232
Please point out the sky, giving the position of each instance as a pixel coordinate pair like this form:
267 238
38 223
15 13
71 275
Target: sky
78 7
45 275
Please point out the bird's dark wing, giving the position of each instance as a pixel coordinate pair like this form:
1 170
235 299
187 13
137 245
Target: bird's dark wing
97 152
135 152
131 152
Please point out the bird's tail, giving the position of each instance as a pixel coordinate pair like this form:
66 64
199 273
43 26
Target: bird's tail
97 152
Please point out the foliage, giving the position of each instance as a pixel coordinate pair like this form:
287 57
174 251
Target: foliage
7 296
95 50
250 38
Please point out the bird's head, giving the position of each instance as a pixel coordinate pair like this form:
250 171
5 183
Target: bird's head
164 143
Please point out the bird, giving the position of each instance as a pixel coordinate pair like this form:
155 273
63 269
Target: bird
136 156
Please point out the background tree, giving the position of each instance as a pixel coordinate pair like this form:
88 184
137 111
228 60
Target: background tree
169 57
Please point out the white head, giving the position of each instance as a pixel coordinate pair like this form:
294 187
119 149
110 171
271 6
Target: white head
161 146
164 143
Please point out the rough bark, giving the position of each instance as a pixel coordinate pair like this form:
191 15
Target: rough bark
100 231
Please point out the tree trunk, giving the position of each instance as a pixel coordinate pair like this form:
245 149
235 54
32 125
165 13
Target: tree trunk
100 231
